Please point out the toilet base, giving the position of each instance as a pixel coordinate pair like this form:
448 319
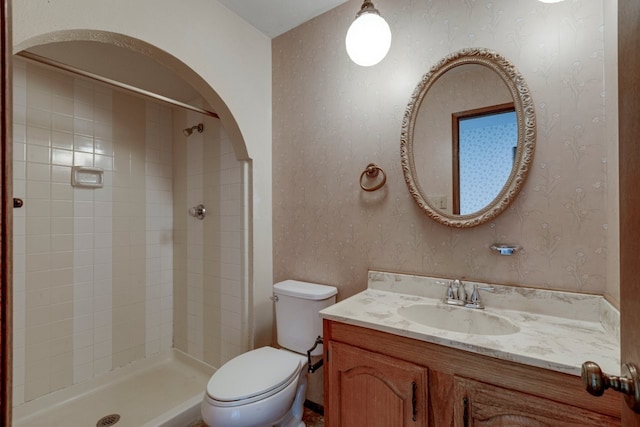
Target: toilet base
294 416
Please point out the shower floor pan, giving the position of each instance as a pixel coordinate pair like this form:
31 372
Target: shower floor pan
160 391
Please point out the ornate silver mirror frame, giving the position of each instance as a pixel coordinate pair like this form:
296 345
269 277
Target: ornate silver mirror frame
526 135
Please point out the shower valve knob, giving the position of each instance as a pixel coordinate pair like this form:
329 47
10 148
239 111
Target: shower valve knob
198 211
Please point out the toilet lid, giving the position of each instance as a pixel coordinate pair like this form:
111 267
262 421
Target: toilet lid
253 373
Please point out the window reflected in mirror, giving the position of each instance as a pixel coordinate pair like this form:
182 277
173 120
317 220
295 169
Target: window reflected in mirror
484 147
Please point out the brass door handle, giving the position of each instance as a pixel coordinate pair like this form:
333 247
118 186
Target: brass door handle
628 384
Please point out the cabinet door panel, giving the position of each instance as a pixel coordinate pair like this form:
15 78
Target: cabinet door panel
371 390
483 405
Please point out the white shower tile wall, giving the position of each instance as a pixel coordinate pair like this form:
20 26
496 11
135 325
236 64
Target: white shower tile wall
210 315
19 225
195 239
159 219
84 267
67 328
234 323
94 282
103 231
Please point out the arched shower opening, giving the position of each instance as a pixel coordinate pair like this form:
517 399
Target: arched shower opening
109 277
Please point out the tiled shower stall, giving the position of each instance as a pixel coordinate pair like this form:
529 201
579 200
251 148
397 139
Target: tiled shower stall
107 276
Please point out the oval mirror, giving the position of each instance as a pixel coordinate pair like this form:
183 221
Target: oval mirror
468 138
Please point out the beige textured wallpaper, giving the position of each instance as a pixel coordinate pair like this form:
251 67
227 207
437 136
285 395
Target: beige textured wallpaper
332 117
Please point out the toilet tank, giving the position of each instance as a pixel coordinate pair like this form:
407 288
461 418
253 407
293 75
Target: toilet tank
298 321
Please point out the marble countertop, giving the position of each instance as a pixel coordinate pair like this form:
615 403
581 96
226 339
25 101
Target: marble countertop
558 330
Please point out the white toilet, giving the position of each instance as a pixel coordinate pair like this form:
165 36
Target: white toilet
267 386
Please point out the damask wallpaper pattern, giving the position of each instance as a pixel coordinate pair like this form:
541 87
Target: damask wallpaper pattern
331 118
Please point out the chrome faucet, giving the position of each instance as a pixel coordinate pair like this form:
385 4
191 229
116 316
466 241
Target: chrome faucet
457 295
474 300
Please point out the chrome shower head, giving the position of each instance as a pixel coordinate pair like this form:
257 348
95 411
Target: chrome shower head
188 131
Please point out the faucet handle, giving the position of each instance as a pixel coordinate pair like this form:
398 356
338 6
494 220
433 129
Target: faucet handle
462 293
450 294
474 301
453 293
475 296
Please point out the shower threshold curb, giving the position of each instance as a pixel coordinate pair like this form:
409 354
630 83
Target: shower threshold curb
24 413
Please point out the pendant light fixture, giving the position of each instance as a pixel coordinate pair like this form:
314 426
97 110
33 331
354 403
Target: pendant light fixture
369 37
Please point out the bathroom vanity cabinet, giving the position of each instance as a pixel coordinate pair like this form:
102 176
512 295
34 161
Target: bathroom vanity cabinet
376 390
375 378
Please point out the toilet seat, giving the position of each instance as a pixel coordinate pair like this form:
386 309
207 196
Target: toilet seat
253 376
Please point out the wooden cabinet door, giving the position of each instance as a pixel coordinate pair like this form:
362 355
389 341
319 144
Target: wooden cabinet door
368 389
480 404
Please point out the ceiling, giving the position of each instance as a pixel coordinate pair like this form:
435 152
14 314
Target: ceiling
272 18
275 17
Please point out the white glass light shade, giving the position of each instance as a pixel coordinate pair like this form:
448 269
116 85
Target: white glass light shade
550 1
368 39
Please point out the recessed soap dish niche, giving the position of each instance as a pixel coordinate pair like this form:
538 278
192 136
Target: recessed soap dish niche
87 177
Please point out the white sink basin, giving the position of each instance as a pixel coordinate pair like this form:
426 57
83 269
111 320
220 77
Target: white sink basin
458 319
